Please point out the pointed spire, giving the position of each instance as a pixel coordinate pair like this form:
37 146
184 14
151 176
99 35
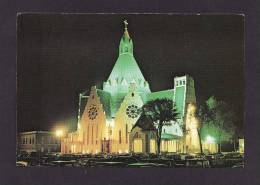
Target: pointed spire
126 34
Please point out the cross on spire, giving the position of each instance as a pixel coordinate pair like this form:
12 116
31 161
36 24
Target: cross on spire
126 23
126 34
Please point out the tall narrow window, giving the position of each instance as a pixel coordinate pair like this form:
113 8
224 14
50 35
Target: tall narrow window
92 136
126 133
97 132
120 139
88 135
97 135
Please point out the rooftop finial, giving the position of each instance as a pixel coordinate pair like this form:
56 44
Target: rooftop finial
126 23
126 32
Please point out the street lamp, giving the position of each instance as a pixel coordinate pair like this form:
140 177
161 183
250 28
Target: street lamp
210 139
59 133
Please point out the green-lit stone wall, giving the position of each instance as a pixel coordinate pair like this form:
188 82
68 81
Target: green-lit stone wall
179 98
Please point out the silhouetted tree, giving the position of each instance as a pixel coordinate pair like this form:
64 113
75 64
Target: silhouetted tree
162 112
217 120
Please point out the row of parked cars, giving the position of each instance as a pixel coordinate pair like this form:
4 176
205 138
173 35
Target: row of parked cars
132 160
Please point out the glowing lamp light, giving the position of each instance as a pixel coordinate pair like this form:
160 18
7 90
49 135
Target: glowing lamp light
59 133
210 139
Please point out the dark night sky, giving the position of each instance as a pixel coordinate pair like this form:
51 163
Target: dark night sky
60 55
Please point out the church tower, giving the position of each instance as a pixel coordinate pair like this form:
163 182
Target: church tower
184 93
185 100
125 72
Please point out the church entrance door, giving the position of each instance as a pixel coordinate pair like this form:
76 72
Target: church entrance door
105 146
138 146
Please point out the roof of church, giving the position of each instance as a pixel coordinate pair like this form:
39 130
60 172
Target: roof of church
144 123
126 66
105 101
161 94
167 136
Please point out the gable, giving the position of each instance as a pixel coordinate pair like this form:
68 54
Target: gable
105 100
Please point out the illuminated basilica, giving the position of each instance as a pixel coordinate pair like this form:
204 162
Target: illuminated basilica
108 118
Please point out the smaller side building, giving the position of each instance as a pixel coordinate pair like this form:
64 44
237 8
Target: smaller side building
143 137
38 141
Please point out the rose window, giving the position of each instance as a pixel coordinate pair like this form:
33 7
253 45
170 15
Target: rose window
132 111
92 113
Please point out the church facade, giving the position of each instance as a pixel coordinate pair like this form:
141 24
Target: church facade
107 118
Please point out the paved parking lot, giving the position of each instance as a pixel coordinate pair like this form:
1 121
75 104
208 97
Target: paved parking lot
229 160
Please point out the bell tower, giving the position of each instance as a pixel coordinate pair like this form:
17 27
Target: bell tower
184 93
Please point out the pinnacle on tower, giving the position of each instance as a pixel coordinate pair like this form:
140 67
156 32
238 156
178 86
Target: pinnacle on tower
126 34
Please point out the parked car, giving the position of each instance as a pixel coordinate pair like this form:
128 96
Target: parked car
108 164
186 156
239 165
70 163
165 161
197 163
175 157
145 165
21 163
125 159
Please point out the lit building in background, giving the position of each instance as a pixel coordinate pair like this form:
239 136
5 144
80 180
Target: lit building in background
38 141
241 145
108 117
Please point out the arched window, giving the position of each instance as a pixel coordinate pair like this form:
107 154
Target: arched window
136 135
